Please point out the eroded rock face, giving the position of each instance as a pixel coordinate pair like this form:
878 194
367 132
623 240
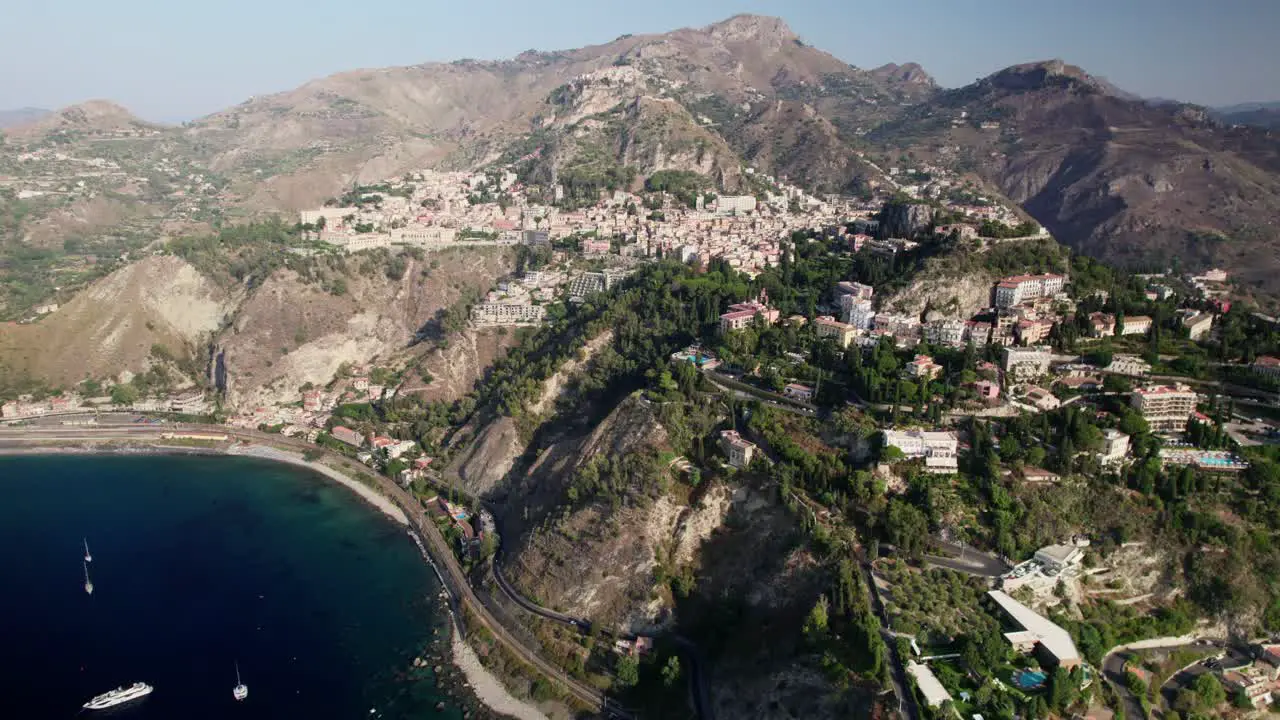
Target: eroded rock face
904 220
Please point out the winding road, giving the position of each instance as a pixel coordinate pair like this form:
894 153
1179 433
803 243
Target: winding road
698 686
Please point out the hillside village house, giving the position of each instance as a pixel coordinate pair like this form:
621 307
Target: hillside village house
1042 399
1030 332
987 390
738 450
1102 324
1115 447
923 367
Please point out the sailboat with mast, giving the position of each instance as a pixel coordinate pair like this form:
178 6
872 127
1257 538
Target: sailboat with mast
88 584
241 691
87 557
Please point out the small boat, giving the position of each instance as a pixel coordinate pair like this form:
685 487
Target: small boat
241 691
87 557
88 584
118 696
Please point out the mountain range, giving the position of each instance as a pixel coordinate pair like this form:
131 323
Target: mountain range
20 116
1126 180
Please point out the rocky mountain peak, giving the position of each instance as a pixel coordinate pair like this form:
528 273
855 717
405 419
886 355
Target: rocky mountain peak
752 28
908 73
1042 74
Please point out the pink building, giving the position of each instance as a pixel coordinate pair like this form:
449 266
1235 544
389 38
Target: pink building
347 435
987 390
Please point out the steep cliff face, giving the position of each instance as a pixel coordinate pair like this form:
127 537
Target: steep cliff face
598 519
291 332
113 325
904 220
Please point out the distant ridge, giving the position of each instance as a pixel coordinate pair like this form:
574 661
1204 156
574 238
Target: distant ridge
21 116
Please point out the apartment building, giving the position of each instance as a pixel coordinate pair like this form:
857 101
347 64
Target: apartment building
1166 408
856 290
507 313
857 312
735 204
1030 332
828 326
1019 288
1026 363
944 332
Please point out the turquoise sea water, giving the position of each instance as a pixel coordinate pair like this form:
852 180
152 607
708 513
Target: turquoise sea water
200 562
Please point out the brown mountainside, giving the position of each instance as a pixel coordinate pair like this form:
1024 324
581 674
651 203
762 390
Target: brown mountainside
1121 179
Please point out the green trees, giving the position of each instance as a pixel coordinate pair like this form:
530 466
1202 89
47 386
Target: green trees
1209 691
124 394
907 527
671 672
628 671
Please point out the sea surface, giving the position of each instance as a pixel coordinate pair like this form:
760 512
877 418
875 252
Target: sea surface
200 562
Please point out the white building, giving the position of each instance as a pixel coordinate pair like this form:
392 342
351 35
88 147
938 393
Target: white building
930 687
739 204
1038 633
1056 558
1115 447
857 312
1198 325
1129 365
332 215
944 332
1020 288
1166 408
940 450
1023 363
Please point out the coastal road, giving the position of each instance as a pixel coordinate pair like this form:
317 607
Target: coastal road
454 579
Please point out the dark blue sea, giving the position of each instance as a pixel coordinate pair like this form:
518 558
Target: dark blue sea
199 563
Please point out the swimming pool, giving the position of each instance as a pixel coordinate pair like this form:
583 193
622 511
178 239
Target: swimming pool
1029 679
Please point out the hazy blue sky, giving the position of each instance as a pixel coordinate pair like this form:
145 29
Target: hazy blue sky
170 60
